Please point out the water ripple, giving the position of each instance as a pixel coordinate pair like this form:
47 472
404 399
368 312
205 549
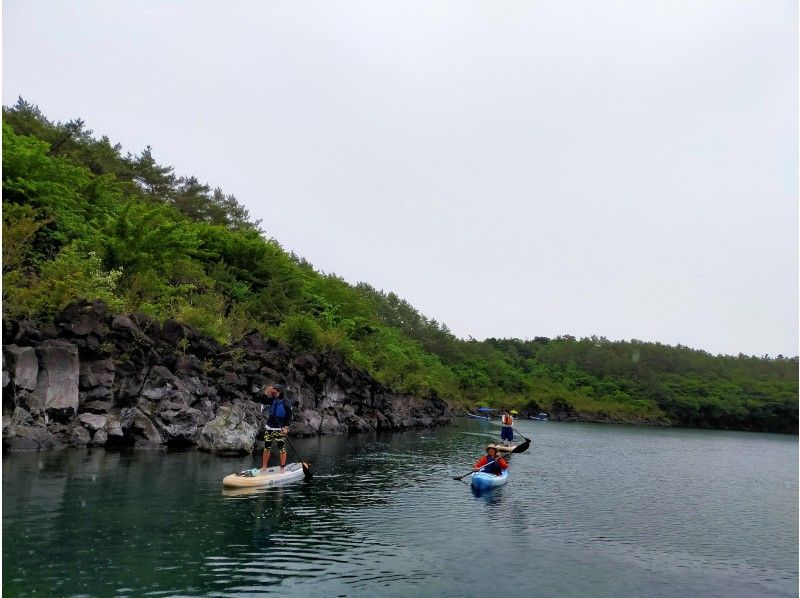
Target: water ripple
589 510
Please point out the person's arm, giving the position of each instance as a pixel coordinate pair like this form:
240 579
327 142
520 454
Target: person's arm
502 463
481 462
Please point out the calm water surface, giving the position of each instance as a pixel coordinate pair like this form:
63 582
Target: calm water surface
595 510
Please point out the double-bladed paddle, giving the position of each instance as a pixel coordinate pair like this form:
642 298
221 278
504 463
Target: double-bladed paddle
520 448
461 477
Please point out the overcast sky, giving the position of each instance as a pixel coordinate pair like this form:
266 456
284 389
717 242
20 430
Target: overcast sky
534 168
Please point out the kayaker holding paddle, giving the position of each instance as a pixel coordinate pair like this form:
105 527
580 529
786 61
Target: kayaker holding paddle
490 462
278 420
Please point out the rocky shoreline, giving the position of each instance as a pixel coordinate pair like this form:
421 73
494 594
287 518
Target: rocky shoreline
110 380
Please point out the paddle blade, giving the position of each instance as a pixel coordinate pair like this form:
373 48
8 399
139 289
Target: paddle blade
521 448
458 478
306 470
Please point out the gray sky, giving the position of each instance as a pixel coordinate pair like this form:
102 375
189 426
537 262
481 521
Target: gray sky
626 169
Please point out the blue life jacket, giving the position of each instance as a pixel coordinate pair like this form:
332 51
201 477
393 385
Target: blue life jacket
278 409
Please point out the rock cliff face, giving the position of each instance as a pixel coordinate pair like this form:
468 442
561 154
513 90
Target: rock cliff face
94 378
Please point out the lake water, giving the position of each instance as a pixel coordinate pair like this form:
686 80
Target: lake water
596 510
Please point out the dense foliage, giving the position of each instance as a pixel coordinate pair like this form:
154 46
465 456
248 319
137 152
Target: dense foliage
82 219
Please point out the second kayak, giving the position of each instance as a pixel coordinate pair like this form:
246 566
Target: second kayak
483 480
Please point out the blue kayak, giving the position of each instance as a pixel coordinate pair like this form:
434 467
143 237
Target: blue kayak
484 481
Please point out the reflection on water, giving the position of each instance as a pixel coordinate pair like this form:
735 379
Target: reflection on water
589 509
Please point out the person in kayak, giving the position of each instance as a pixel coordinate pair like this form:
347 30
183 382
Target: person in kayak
279 416
507 431
490 462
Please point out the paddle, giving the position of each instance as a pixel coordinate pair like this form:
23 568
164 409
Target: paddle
521 448
306 468
459 478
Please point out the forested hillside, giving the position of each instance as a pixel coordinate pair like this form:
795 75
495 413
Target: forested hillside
81 218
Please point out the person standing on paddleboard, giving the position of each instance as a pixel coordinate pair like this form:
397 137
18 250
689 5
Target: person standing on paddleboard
507 431
279 416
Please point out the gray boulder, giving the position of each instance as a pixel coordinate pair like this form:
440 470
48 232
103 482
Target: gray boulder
331 425
92 421
181 422
113 427
21 417
159 383
82 318
98 392
412 412
79 437
307 423
122 322
354 422
229 432
141 428
100 438
18 444
23 367
8 427
57 384
97 373
30 401
129 330
32 438
188 366
95 407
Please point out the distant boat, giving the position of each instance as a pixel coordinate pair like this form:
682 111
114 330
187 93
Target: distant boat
473 416
483 413
542 417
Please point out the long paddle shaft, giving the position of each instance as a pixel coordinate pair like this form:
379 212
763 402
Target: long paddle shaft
304 463
521 434
471 472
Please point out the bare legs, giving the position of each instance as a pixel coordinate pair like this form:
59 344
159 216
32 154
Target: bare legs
265 461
